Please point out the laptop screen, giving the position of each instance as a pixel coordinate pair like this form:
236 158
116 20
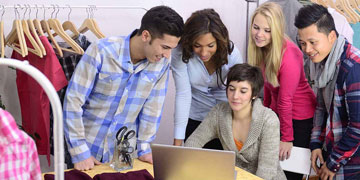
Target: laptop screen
185 163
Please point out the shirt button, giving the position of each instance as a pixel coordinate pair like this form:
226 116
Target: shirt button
349 159
338 165
335 170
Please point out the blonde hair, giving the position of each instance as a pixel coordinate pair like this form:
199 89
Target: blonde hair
269 57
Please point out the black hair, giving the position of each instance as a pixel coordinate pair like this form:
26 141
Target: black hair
315 14
161 20
246 72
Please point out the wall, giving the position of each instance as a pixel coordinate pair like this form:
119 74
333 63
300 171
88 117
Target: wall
121 22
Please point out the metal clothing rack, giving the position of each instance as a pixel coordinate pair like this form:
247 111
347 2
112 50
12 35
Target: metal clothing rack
247 22
72 7
55 106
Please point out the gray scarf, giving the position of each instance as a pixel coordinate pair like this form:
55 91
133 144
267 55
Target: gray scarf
324 74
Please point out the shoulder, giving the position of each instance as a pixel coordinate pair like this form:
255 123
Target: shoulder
267 115
350 59
291 48
108 44
291 53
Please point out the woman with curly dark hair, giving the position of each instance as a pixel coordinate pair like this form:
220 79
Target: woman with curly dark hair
199 65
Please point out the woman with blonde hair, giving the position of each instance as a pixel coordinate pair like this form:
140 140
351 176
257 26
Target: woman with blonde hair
286 90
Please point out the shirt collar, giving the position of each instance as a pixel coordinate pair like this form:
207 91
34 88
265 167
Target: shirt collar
9 132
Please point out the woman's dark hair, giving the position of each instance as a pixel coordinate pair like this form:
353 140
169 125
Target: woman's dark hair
246 72
202 22
161 20
315 14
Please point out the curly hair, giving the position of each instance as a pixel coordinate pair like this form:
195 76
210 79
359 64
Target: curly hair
203 22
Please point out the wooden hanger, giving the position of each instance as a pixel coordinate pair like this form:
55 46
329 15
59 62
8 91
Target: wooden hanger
46 27
2 36
17 34
320 2
354 5
348 17
36 49
89 24
57 27
347 5
93 8
37 24
68 25
35 34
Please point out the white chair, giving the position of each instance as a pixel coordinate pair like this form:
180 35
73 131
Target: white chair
299 161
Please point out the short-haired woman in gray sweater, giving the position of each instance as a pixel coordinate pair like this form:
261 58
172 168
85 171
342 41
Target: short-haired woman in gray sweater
244 125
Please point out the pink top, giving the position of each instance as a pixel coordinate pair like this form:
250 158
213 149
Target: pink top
293 98
19 158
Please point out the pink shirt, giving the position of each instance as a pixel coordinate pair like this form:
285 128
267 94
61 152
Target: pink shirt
293 98
19 158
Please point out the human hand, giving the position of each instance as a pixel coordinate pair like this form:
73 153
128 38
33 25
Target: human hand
146 158
315 154
178 142
325 173
86 164
285 150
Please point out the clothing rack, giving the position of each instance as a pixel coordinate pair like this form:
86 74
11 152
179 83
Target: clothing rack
55 105
72 7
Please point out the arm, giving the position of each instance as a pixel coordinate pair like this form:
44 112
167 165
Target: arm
150 115
79 88
289 78
350 141
267 96
183 93
206 131
269 147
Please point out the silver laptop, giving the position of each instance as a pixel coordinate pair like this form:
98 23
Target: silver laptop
185 163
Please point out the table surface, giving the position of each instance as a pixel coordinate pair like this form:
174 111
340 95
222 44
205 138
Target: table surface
138 165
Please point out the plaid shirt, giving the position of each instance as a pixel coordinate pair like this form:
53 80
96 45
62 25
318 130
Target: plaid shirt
107 92
19 158
337 124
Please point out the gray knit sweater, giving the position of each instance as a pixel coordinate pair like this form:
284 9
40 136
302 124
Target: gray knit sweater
260 153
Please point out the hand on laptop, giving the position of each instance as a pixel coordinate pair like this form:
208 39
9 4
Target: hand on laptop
86 164
178 142
146 158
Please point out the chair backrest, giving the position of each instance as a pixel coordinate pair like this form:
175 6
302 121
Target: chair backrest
299 161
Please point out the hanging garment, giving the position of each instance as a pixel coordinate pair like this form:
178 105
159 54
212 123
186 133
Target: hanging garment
19 158
68 63
290 9
34 103
356 28
342 25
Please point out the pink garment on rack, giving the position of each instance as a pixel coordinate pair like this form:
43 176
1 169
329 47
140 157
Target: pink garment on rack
34 103
19 158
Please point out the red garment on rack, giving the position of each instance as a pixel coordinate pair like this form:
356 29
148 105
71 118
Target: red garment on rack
35 105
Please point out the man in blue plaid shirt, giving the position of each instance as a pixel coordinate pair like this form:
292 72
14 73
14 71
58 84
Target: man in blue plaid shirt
120 81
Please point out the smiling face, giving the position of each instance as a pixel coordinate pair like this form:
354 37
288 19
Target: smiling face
239 94
205 46
157 48
261 31
317 45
